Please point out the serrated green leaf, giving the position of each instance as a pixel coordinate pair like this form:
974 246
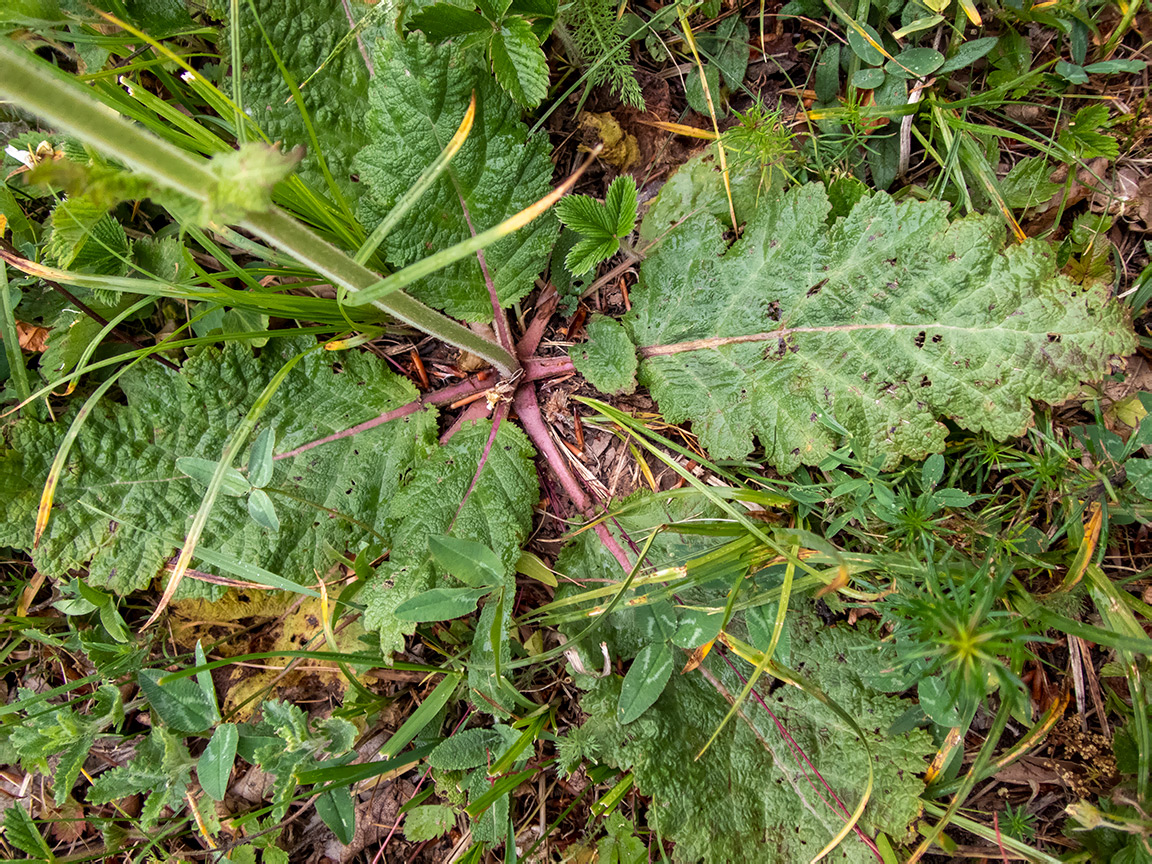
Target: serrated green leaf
424 91
472 563
883 322
621 204
85 238
440 604
608 358
428 821
305 32
260 464
441 21
497 513
469 749
161 769
21 832
586 215
180 704
698 186
621 845
644 682
1027 184
586 254
124 463
518 63
263 511
201 470
748 798
214 768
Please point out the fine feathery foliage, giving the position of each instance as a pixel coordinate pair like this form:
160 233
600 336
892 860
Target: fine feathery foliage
601 226
591 29
497 173
872 326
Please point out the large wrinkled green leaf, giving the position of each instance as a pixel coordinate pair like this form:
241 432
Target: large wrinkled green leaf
304 33
125 464
881 324
498 514
749 797
497 172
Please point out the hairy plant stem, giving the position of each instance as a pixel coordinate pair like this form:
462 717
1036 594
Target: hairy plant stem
68 105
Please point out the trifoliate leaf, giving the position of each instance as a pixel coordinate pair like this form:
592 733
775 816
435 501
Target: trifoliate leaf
608 358
518 63
122 503
602 226
422 96
498 514
882 323
305 32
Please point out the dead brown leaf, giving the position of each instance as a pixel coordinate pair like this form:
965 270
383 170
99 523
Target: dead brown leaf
31 336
